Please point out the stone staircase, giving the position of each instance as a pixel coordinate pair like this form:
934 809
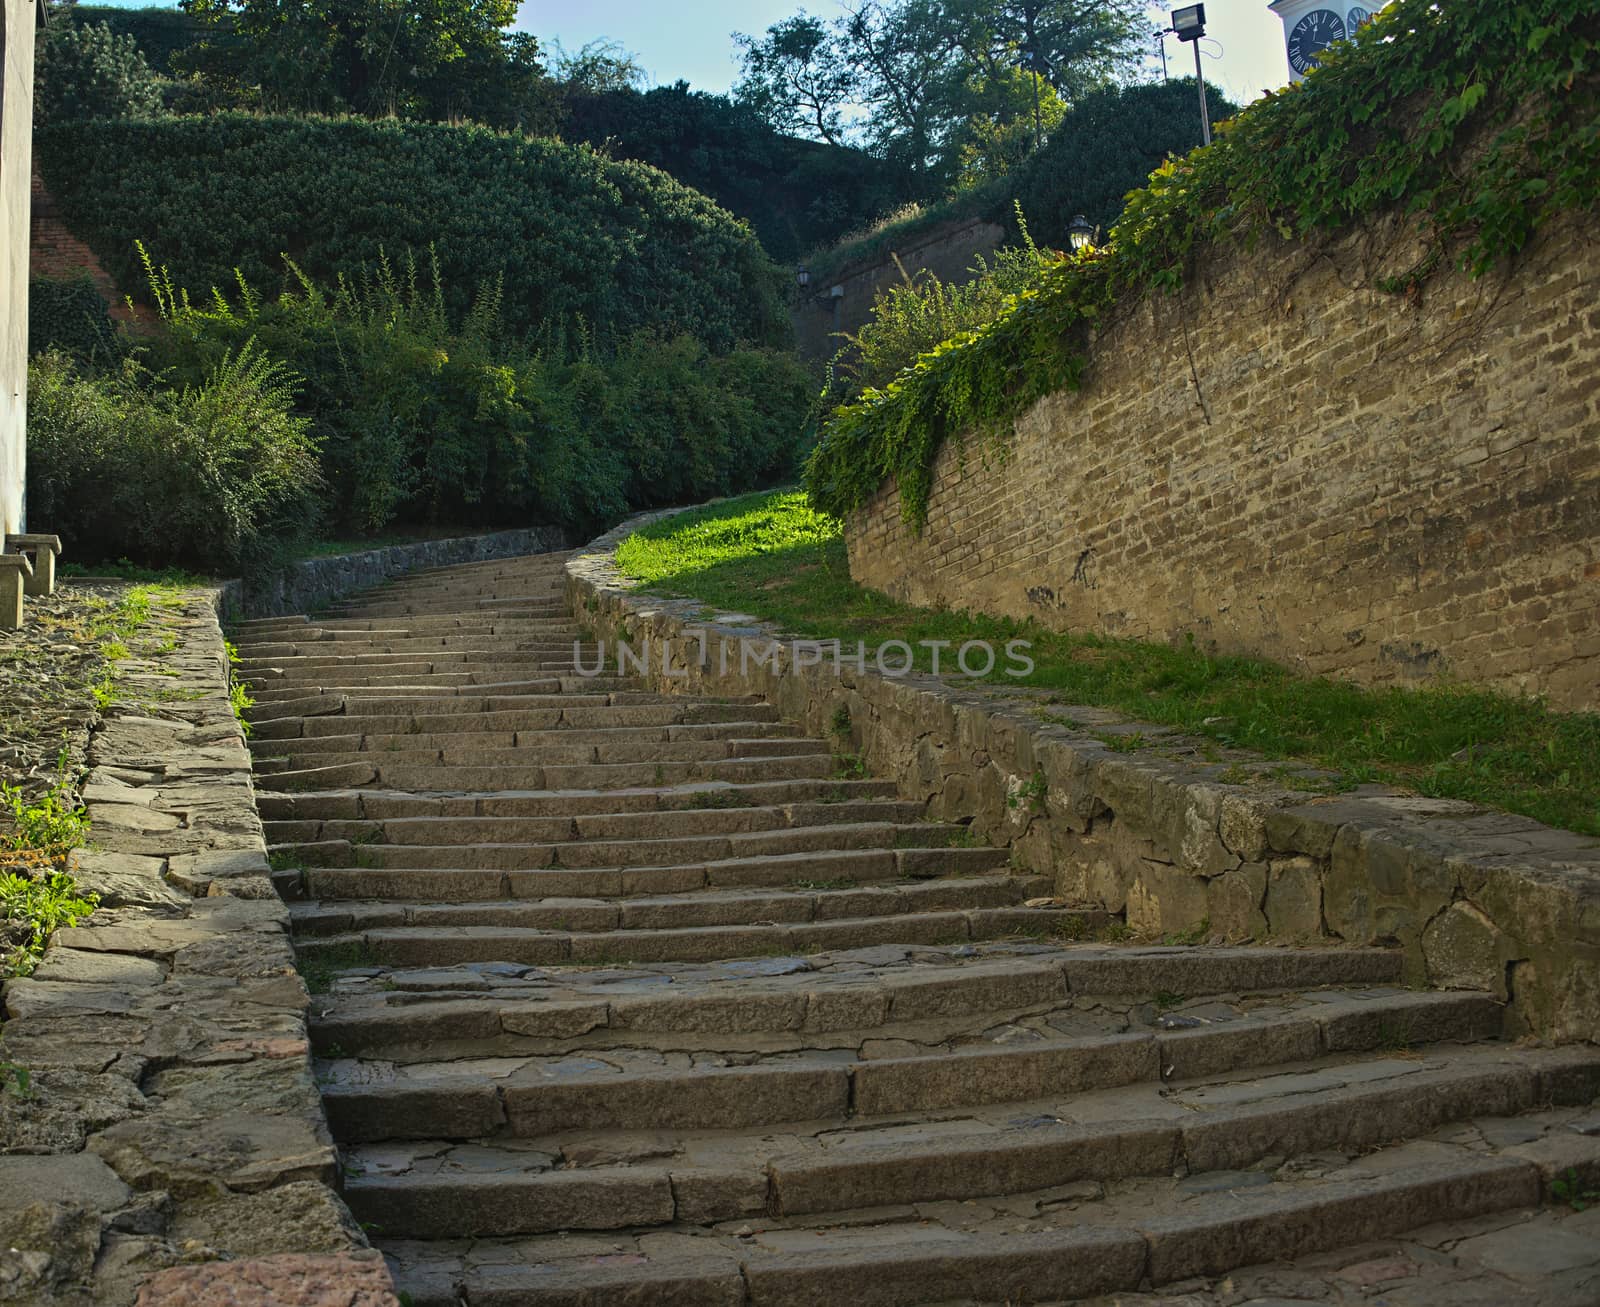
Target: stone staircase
621 997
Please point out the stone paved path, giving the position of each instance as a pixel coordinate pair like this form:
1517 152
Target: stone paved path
629 998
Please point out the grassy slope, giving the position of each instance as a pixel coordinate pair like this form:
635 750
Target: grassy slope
772 556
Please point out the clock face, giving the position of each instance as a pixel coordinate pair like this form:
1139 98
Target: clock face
1357 17
1312 34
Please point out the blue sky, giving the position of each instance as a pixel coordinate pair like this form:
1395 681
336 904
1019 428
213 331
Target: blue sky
691 39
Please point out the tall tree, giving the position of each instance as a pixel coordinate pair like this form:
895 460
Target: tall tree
939 86
430 59
798 77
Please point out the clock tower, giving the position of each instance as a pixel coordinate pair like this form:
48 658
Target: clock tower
1310 26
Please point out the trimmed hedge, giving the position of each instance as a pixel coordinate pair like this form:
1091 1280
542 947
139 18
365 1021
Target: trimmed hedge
584 243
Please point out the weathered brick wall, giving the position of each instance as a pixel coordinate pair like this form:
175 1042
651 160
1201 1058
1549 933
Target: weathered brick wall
1286 461
55 252
948 252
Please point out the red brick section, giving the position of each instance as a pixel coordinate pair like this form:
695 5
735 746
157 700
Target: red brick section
286 1280
53 251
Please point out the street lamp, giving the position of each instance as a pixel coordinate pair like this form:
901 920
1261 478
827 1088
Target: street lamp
1190 25
802 276
1079 233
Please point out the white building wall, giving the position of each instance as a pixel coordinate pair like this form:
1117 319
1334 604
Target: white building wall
16 154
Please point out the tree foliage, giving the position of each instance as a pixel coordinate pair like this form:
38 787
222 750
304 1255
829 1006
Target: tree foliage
936 86
85 70
444 61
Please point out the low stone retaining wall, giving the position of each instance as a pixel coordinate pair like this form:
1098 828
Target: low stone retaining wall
306 586
1476 898
170 1145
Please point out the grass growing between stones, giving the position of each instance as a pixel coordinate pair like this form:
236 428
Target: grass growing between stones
772 556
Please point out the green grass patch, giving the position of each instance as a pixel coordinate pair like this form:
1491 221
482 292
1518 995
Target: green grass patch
772 556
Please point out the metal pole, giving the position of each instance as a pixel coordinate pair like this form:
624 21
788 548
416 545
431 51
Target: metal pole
1205 113
1161 47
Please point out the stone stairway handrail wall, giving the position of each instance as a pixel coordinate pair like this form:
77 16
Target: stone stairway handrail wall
309 584
1476 898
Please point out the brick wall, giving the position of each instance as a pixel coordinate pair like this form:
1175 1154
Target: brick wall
56 252
1284 461
948 252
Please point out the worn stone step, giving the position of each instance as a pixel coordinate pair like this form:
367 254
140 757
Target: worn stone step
634 748
379 805
1075 1246
841 868
626 1090
707 908
583 853
472 828
448 946
568 713
465 733
694 1180
380 772
787 1002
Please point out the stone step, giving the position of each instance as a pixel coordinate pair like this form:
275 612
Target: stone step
588 712
635 1090
645 912
451 946
841 868
378 770
1133 1132
1070 1243
440 829
379 805
553 738
790 1003
621 853
509 696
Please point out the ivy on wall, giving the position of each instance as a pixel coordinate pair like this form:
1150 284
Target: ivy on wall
69 314
1477 120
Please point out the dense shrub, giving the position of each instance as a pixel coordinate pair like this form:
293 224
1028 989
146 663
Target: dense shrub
421 419
917 315
85 70
1107 145
576 237
209 475
159 33
796 194
68 314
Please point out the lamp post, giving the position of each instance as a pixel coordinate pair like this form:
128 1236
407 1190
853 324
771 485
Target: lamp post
1190 25
802 276
1080 235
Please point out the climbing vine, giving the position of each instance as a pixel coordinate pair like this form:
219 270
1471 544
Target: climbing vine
1475 120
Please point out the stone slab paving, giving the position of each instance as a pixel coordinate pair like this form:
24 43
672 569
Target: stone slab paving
171 1119
625 994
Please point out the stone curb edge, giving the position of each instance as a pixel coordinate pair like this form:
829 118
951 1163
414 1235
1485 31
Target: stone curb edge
173 1146
1477 898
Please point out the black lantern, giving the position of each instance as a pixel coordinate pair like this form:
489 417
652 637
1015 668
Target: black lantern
1079 233
802 276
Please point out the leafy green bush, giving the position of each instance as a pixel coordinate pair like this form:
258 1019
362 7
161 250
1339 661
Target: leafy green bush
85 71
423 421
1401 118
159 33
916 316
1109 144
68 314
576 237
210 473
